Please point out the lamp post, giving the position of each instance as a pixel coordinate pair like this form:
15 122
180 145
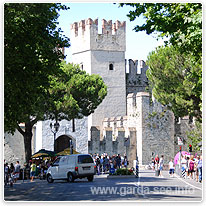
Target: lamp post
54 128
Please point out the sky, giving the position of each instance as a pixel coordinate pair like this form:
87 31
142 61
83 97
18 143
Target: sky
138 44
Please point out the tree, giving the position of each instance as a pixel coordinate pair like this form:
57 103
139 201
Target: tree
180 22
30 38
74 93
35 80
195 136
175 72
175 81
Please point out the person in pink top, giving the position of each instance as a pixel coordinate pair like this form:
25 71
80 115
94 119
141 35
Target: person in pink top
191 166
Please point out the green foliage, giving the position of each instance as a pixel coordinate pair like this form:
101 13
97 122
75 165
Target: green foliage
181 22
153 114
175 71
38 85
123 171
30 38
74 93
176 81
195 136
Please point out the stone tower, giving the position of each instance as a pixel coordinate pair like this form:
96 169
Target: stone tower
102 54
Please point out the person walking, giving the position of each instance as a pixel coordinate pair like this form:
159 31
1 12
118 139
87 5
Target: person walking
161 162
125 162
98 165
184 166
33 170
118 161
196 169
191 166
171 168
199 167
153 164
6 174
17 167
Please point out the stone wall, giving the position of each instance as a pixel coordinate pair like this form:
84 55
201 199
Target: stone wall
136 81
95 53
79 136
148 130
14 147
121 145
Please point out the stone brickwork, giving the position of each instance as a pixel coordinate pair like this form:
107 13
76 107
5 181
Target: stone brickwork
14 147
102 54
136 82
127 121
79 136
147 130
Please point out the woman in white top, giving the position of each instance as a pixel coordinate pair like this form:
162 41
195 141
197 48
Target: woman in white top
171 168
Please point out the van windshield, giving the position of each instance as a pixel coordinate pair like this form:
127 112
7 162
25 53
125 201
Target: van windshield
85 159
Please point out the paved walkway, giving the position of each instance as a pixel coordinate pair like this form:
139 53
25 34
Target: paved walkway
154 189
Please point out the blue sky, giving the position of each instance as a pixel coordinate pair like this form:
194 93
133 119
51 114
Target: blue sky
138 44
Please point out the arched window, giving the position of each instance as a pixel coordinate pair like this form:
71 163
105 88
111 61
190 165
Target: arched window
111 66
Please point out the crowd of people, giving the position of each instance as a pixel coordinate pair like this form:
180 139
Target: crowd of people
35 168
192 167
104 162
11 173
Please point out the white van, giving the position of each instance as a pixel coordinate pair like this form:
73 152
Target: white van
71 167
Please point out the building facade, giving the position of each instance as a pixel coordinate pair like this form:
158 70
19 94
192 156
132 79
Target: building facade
128 121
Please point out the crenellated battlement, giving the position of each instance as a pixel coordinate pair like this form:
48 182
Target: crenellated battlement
85 36
107 26
136 79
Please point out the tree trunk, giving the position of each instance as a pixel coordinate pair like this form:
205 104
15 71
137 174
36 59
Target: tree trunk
27 141
27 134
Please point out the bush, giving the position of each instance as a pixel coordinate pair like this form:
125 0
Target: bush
123 171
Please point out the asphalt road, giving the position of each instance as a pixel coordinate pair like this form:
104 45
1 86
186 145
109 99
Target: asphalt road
146 188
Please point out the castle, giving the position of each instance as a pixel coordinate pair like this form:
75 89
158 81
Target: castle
128 121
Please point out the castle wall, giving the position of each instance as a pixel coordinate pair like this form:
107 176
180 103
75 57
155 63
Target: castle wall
14 146
146 131
80 136
103 54
136 82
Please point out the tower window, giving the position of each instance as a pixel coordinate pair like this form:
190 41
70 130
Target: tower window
111 66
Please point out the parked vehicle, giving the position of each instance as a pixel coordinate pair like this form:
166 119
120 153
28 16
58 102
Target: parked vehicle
71 167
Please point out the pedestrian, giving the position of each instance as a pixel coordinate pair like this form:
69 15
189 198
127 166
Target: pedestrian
98 165
199 167
118 161
125 161
6 174
187 169
171 168
33 170
12 168
156 162
196 169
17 167
184 166
161 162
153 164
191 166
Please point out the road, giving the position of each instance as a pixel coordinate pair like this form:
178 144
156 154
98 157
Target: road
146 188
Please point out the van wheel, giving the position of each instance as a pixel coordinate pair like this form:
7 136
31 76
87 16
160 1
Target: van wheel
50 179
90 178
70 177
